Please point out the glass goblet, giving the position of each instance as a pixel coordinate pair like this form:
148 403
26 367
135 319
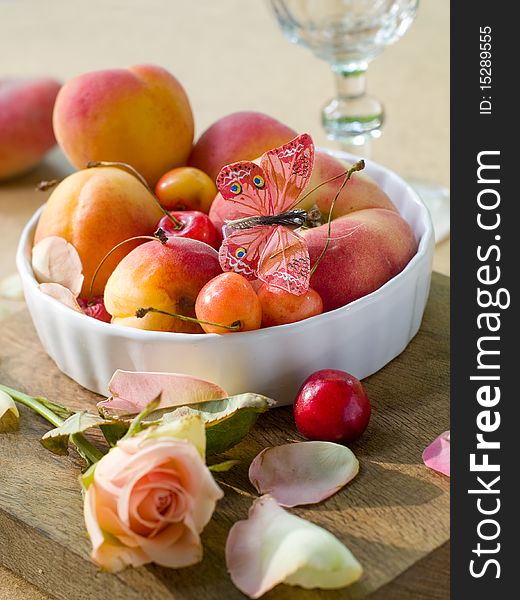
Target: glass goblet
347 34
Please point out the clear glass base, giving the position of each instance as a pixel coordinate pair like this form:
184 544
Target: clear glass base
346 118
437 201
352 114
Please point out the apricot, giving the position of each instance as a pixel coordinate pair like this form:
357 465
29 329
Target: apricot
140 116
186 188
230 300
165 277
238 136
25 123
280 306
96 209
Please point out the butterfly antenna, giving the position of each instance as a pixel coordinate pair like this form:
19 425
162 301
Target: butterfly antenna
355 167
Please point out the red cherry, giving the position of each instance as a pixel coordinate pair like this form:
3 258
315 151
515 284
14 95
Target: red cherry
194 224
95 309
332 406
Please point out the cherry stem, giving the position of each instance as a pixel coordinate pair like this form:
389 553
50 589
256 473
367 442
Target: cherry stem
126 167
322 184
355 167
159 238
142 312
43 186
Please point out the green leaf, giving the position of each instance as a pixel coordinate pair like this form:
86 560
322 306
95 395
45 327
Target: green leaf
224 466
57 440
138 422
114 431
87 477
227 420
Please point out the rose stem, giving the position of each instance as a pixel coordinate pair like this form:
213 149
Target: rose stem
142 312
88 450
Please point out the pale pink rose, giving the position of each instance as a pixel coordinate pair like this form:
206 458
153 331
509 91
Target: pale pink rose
149 499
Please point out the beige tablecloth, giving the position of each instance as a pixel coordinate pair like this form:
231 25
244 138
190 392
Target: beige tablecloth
229 55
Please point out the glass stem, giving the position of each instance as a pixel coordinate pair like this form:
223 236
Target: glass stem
351 84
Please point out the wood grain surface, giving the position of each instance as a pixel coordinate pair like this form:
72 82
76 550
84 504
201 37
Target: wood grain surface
394 516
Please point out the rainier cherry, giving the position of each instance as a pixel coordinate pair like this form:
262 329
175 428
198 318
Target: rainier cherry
186 188
280 307
192 224
332 406
228 299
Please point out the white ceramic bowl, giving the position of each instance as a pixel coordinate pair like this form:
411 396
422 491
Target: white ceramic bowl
359 338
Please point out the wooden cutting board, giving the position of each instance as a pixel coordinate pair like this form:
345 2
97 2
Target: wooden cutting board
394 516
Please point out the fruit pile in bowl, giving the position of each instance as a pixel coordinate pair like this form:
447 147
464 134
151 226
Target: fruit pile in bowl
250 258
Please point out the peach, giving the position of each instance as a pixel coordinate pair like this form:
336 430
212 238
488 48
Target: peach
94 210
361 192
166 277
140 116
238 136
367 248
25 123
186 188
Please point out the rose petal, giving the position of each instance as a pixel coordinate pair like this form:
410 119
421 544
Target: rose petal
54 260
145 469
272 546
62 294
107 550
303 472
437 455
9 415
132 391
11 287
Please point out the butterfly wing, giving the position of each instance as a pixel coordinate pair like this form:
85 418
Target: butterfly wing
244 184
288 170
242 249
284 262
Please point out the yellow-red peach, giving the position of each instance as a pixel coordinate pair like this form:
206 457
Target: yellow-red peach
238 136
140 116
25 123
94 210
166 277
367 248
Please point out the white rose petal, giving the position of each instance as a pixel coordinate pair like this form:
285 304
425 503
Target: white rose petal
54 260
272 546
9 415
11 287
62 294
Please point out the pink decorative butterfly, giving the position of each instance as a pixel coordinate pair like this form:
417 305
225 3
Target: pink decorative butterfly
261 242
